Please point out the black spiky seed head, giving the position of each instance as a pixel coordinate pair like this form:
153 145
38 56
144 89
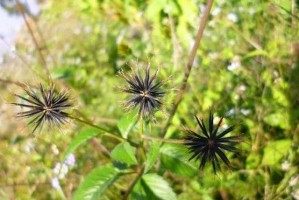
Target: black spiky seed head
210 146
44 106
145 92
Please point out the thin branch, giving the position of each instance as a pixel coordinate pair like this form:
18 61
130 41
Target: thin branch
17 83
100 147
107 132
191 58
109 121
19 56
38 49
173 141
133 183
42 38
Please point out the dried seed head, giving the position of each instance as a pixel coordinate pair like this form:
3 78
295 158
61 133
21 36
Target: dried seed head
145 92
44 106
210 146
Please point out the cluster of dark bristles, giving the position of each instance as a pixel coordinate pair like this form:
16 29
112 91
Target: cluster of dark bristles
46 106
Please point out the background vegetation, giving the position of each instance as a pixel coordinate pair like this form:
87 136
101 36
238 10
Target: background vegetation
246 68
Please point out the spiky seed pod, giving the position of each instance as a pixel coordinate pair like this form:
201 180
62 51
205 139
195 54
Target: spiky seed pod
145 92
211 145
44 106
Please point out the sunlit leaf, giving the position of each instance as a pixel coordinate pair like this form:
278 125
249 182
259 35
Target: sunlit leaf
96 183
124 153
152 156
174 159
275 151
156 186
126 124
280 119
84 135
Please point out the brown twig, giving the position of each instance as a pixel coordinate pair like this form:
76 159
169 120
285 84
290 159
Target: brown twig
17 83
19 56
42 38
191 58
133 183
100 147
38 49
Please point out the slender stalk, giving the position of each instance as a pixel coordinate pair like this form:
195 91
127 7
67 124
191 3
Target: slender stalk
100 120
20 57
17 83
38 49
141 146
107 132
191 58
173 141
42 38
133 183
100 147
141 128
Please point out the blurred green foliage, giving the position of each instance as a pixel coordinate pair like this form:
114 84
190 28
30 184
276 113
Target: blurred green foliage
246 68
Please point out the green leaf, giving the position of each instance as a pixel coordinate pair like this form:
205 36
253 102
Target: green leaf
124 153
138 192
156 186
152 156
61 73
280 118
126 123
84 135
174 159
275 151
253 160
96 183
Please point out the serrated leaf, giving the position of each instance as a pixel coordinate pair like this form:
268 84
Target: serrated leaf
174 158
124 153
84 135
275 151
126 124
96 183
152 156
156 187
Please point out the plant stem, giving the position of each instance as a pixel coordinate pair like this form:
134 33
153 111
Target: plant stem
100 147
38 49
42 38
141 146
17 83
191 58
19 56
107 132
133 183
173 141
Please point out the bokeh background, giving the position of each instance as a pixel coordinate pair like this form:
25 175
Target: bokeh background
246 68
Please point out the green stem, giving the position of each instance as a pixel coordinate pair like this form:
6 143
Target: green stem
142 152
107 132
173 141
133 183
